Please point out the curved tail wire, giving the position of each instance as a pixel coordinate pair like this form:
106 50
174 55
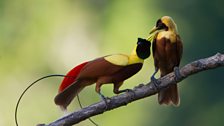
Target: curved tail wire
48 76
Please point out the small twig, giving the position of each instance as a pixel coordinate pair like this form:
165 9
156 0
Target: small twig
139 92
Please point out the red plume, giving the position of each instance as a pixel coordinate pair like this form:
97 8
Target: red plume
71 76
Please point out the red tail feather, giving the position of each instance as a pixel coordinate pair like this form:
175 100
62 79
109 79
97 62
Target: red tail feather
72 74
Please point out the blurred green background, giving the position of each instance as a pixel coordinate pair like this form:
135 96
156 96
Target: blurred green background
42 37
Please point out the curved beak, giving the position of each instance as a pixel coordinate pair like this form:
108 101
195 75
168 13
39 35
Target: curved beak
154 29
151 35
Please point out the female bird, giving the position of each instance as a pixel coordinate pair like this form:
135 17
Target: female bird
108 69
167 52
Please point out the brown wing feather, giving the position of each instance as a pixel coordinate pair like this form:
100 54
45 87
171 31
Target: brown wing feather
64 98
168 55
102 71
154 52
98 67
126 72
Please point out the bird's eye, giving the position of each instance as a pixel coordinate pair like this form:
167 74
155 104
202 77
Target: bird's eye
161 25
158 22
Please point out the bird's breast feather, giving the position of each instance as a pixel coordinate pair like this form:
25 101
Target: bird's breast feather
168 35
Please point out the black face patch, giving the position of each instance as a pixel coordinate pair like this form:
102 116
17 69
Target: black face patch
161 25
143 48
158 22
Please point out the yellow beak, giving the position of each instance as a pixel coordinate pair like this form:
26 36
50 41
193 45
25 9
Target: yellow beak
154 29
151 35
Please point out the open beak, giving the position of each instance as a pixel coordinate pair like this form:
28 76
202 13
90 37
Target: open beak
154 29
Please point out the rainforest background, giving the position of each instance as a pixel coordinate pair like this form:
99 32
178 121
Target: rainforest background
42 37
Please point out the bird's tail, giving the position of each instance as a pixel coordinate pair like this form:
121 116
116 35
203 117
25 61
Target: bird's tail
169 95
64 98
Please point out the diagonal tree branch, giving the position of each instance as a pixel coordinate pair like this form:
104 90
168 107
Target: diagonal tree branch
139 92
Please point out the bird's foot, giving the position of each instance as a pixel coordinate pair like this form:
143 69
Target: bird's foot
155 83
177 73
105 100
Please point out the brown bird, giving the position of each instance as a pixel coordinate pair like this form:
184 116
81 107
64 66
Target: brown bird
167 52
108 69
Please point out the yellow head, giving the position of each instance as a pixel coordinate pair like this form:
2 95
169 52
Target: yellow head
165 23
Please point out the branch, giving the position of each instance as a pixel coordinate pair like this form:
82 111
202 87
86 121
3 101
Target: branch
139 92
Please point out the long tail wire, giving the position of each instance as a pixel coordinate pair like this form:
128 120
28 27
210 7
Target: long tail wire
82 108
52 75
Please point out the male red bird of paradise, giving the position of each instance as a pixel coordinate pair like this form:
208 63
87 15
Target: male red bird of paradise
167 52
108 69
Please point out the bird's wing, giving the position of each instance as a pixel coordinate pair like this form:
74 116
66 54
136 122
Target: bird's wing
154 51
154 44
103 66
64 98
117 59
71 76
